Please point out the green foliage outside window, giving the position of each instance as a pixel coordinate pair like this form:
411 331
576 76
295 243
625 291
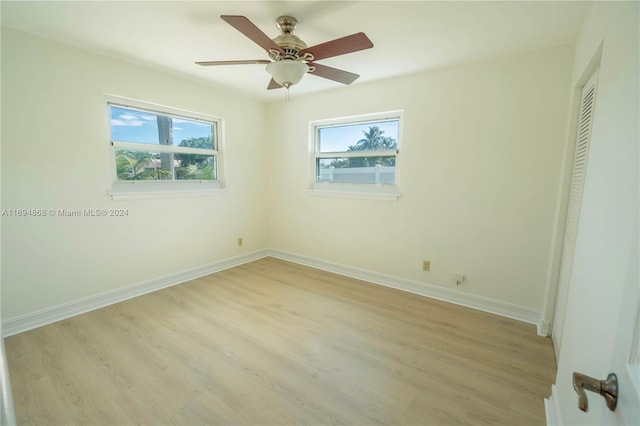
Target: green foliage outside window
373 141
140 165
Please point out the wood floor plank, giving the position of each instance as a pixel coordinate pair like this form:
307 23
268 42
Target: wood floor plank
272 342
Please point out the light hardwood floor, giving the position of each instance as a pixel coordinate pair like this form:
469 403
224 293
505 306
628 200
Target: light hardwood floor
271 342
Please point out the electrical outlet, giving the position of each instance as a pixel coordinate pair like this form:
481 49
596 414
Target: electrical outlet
426 265
240 242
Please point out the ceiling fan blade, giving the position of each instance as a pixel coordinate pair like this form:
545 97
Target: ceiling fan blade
334 74
250 61
339 46
248 28
273 85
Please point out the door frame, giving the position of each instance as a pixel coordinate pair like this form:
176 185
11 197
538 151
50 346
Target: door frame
545 326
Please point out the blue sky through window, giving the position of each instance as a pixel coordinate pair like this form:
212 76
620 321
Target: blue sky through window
338 138
139 126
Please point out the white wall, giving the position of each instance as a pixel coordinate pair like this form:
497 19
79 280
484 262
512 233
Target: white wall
604 291
55 154
479 169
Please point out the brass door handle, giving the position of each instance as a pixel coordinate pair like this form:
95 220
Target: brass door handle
607 388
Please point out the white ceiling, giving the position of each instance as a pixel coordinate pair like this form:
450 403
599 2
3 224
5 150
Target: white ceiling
407 36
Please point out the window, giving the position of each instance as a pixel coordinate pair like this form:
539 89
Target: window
356 154
160 149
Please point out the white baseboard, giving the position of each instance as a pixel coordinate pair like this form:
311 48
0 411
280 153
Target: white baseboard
552 409
481 303
33 320
544 328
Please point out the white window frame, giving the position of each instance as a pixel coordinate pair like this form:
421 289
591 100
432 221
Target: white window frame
353 190
144 189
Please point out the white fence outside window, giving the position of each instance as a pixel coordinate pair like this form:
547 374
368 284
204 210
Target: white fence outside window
371 175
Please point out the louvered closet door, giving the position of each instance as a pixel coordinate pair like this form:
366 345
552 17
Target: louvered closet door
583 137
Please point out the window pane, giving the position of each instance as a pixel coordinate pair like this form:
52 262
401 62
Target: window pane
129 125
142 165
372 136
377 170
196 167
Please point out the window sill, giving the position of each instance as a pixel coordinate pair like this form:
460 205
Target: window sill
156 190
383 193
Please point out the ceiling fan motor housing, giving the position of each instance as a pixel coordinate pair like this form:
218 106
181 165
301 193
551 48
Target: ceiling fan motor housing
290 43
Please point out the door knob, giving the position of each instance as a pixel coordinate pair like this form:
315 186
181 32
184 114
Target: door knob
607 388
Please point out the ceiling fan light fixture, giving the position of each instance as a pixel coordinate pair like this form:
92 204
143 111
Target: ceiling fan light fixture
287 72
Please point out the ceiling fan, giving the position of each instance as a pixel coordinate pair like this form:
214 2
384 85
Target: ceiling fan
290 56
